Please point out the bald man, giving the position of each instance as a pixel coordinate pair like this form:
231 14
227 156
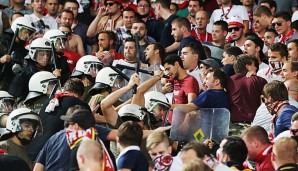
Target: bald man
292 86
90 156
284 154
200 32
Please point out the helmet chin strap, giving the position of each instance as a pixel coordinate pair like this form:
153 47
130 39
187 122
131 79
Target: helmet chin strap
23 140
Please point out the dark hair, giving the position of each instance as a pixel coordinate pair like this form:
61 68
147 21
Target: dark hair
130 39
74 85
221 76
72 1
257 132
140 21
241 62
129 9
272 30
171 59
207 51
283 14
199 1
271 3
277 90
158 46
200 148
130 133
233 50
295 41
279 47
176 5
223 24
111 35
236 149
164 3
66 11
182 21
262 10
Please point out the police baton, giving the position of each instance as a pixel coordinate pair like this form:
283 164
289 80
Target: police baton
134 90
10 50
54 57
140 70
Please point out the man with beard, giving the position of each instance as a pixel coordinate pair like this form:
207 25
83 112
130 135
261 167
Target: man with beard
277 55
186 87
182 33
139 29
69 17
236 30
22 125
152 25
52 6
108 18
107 51
194 6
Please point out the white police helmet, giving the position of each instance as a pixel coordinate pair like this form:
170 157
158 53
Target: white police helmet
56 36
105 78
17 118
23 22
39 83
7 102
86 65
39 44
154 98
132 111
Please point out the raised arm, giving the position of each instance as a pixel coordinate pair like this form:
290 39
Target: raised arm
107 108
138 98
93 27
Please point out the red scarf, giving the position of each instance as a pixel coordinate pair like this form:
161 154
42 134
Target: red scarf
283 39
74 137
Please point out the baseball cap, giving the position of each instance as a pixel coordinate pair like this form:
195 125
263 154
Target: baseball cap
235 20
210 62
256 39
84 118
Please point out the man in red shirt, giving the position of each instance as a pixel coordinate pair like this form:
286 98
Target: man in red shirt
259 147
185 87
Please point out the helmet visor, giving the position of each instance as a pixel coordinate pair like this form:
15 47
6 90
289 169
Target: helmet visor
60 44
25 34
7 104
94 68
43 57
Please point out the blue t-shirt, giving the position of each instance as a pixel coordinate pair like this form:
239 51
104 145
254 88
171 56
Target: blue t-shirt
283 121
134 160
55 155
212 98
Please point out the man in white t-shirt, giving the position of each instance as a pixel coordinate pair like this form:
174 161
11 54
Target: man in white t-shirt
42 23
228 10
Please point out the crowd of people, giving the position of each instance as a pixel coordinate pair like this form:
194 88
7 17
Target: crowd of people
109 85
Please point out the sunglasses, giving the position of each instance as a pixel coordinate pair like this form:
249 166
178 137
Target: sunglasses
294 131
234 28
110 4
277 23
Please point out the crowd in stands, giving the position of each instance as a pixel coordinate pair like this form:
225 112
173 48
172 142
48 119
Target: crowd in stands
106 85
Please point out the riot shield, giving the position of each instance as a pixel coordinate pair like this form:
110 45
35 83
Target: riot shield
211 123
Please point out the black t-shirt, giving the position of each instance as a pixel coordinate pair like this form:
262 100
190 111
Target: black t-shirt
9 163
166 37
